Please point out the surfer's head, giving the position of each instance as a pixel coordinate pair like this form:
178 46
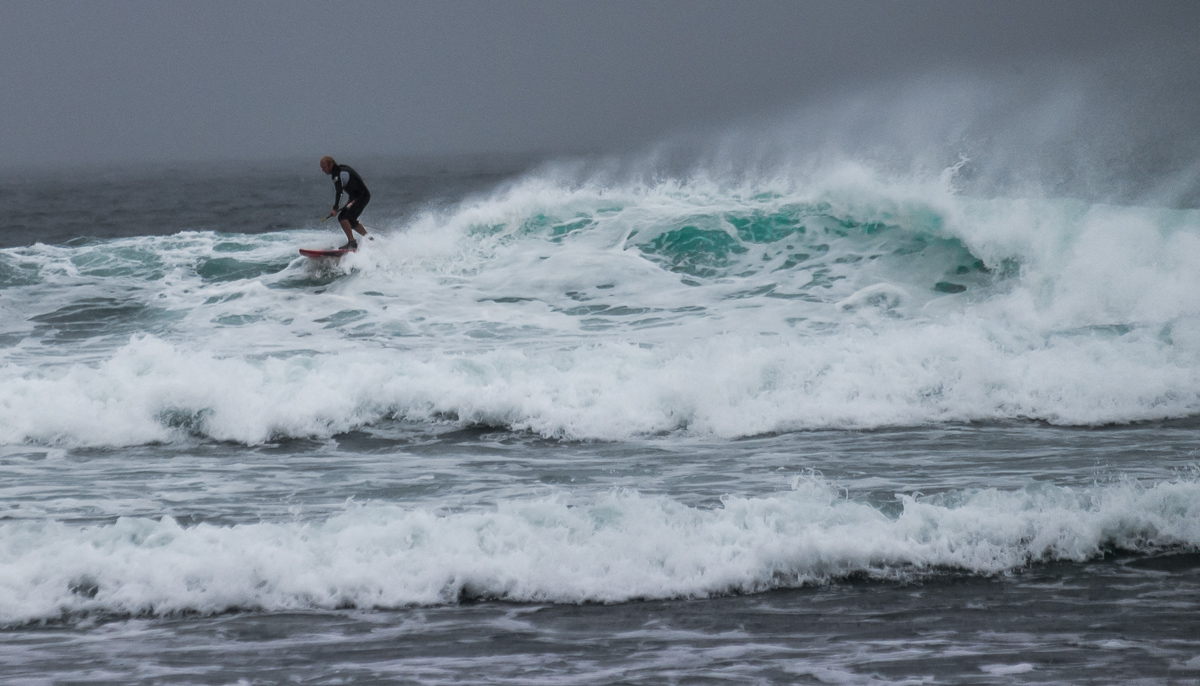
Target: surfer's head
327 164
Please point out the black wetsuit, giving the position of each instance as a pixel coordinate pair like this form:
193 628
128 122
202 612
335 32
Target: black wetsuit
346 179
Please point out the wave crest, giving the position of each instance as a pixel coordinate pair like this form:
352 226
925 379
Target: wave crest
617 547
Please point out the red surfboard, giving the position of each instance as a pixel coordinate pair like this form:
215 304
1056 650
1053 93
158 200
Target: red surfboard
316 253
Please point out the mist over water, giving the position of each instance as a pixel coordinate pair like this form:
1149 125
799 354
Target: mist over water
1118 130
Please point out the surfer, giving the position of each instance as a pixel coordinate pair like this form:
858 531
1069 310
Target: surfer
346 179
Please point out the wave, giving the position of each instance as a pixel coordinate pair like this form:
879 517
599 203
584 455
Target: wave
152 391
614 548
584 310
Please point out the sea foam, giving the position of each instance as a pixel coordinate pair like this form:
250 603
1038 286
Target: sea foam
609 548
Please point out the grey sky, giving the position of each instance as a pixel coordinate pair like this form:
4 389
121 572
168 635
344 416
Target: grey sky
89 82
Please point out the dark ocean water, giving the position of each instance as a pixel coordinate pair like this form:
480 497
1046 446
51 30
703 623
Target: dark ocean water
550 428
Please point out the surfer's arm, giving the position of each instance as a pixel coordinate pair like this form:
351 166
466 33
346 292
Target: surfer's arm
337 198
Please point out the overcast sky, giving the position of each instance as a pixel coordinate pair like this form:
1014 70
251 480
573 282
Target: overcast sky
89 81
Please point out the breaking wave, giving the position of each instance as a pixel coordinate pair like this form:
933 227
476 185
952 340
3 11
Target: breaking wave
610 310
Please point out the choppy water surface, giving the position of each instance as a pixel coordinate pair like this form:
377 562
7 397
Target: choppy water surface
556 431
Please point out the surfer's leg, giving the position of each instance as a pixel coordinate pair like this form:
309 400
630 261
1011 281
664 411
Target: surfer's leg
360 204
348 217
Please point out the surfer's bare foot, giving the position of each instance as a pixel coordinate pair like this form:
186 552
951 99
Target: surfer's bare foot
350 245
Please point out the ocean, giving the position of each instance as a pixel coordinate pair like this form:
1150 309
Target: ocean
557 424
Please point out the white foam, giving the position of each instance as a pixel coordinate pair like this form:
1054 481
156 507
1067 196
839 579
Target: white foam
610 548
730 385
